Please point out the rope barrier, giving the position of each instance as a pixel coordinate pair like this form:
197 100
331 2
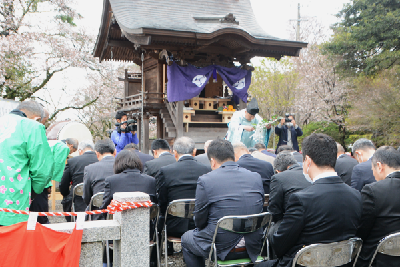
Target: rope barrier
114 207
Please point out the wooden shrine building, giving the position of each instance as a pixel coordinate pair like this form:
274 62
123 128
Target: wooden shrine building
199 33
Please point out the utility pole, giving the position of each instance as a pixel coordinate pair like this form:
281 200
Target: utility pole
298 23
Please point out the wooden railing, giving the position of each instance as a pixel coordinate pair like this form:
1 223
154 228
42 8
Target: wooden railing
135 101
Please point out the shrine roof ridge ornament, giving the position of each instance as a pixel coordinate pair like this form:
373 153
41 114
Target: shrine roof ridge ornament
229 18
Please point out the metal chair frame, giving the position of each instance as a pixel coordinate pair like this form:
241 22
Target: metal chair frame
354 244
78 190
96 200
182 208
155 214
227 223
392 240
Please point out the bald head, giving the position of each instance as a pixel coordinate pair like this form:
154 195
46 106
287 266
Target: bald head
240 149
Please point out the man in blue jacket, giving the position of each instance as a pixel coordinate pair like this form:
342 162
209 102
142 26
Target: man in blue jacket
119 136
288 133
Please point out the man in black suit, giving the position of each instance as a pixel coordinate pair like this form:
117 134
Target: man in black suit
315 214
344 165
288 180
381 207
245 160
96 173
73 174
162 157
202 158
227 190
178 181
142 156
363 150
288 133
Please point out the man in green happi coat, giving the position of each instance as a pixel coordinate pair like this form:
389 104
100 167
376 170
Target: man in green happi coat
26 160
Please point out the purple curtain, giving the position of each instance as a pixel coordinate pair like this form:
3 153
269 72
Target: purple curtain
187 82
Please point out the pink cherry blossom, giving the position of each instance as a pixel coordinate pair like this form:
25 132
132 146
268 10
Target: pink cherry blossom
17 202
19 177
22 191
29 178
3 178
18 170
3 189
29 193
11 190
11 179
27 209
1 161
8 202
9 168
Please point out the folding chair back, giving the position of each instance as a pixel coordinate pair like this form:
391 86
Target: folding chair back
240 225
329 255
389 245
78 191
182 208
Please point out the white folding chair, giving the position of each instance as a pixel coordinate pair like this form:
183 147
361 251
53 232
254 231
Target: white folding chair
389 245
329 255
96 200
154 215
78 191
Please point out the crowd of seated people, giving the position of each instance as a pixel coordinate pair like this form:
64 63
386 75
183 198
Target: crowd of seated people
320 195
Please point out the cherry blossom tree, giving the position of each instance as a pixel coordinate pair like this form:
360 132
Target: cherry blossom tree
38 38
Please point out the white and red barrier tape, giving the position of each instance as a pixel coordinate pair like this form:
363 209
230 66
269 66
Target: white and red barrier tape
114 207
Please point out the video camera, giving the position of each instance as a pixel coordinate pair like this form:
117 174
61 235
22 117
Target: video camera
131 126
288 122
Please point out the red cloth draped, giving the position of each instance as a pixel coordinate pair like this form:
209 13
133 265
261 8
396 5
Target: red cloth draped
42 247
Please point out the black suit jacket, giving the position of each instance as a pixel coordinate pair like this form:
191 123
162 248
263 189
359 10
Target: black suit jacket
228 190
178 181
152 167
202 158
143 157
74 171
380 217
261 167
130 180
282 132
327 211
282 186
94 176
361 175
344 167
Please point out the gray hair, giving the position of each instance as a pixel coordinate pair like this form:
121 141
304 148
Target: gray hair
207 143
32 107
104 146
239 146
72 141
284 160
363 144
184 145
259 146
86 144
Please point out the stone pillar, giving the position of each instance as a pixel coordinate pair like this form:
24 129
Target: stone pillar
91 254
133 247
